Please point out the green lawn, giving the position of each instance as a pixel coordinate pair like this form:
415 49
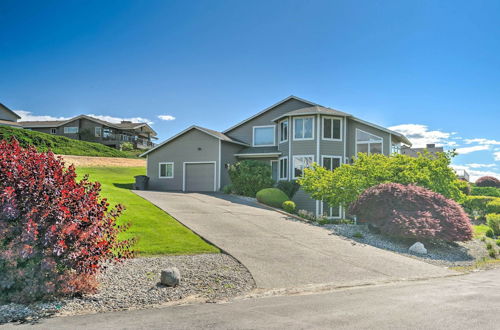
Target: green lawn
157 232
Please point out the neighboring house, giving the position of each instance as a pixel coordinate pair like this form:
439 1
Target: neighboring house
95 130
413 152
8 117
463 175
289 135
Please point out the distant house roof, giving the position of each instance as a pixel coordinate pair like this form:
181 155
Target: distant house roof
259 152
9 123
10 111
314 110
215 134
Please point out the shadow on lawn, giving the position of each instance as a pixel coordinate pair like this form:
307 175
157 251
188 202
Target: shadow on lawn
128 186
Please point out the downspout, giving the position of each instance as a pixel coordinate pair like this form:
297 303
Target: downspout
219 166
318 161
289 162
345 153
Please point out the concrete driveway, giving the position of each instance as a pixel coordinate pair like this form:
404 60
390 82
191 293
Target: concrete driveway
281 253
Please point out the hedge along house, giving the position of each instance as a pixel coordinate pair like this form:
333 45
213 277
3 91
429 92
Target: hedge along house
289 135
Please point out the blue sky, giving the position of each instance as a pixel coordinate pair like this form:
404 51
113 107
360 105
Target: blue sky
431 69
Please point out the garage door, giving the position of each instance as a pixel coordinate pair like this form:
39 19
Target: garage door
200 177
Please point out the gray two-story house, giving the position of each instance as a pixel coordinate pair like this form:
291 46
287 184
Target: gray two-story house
290 135
8 117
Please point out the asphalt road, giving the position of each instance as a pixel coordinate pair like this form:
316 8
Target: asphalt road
281 253
458 302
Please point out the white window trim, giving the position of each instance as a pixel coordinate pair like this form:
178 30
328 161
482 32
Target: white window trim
159 170
312 130
288 130
67 127
264 145
323 128
331 156
329 217
53 131
368 143
293 164
279 168
206 162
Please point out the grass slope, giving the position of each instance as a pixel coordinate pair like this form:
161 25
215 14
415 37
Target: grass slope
59 144
157 231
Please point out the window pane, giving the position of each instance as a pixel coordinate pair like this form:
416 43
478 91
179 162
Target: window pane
335 212
376 148
336 129
362 136
327 128
163 169
327 163
362 147
283 168
264 136
308 128
299 128
335 163
170 170
284 131
300 163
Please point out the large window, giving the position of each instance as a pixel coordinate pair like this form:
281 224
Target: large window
396 148
368 143
98 131
331 162
283 168
332 129
303 128
166 170
284 131
70 130
263 136
300 163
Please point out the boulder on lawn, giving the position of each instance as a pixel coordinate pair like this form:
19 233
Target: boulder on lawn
418 248
170 276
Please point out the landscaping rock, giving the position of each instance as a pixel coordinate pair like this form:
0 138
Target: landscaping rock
170 276
418 248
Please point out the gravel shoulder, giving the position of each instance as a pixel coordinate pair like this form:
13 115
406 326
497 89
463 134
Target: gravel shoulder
134 284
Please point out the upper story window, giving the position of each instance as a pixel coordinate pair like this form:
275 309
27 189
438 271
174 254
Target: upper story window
303 128
332 129
368 143
300 163
263 136
331 162
284 131
98 131
70 130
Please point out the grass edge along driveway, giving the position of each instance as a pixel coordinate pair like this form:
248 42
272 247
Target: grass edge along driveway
158 233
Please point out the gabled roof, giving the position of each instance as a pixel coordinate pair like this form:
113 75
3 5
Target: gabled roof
215 134
269 108
10 123
315 110
10 111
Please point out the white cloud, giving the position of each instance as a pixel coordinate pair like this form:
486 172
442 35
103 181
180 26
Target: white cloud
29 116
481 141
497 155
420 135
474 165
117 120
166 117
468 150
474 174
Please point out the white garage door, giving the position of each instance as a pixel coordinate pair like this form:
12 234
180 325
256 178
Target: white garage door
199 177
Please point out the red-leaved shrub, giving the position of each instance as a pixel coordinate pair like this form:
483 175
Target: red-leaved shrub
412 212
55 231
488 181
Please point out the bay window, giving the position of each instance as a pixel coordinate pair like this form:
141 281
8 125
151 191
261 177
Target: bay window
303 128
283 168
284 131
332 128
300 163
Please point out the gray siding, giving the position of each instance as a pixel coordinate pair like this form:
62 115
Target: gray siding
227 157
351 137
245 132
184 148
7 115
304 201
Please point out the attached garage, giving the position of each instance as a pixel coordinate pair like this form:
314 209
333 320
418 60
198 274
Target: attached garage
200 176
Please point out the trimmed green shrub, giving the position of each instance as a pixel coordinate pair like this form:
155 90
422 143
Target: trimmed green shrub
485 191
250 176
272 197
493 206
493 221
289 206
490 233
476 205
288 187
228 189
488 181
126 146
357 235
412 212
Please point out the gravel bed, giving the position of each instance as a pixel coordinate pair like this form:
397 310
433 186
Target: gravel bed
135 284
438 253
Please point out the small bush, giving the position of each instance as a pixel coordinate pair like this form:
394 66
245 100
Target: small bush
306 215
288 187
127 146
490 233
485 191
412 212
357 235
489 246
488 181
289 206
323 221
464 187
493 221
228 189
250 176
476 205
493 206
272 197
55 231
492 253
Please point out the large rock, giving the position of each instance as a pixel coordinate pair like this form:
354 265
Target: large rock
170 277
418 248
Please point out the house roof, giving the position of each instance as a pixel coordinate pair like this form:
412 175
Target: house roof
314 110
259 152
10 111
215 134
267 109
9 123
